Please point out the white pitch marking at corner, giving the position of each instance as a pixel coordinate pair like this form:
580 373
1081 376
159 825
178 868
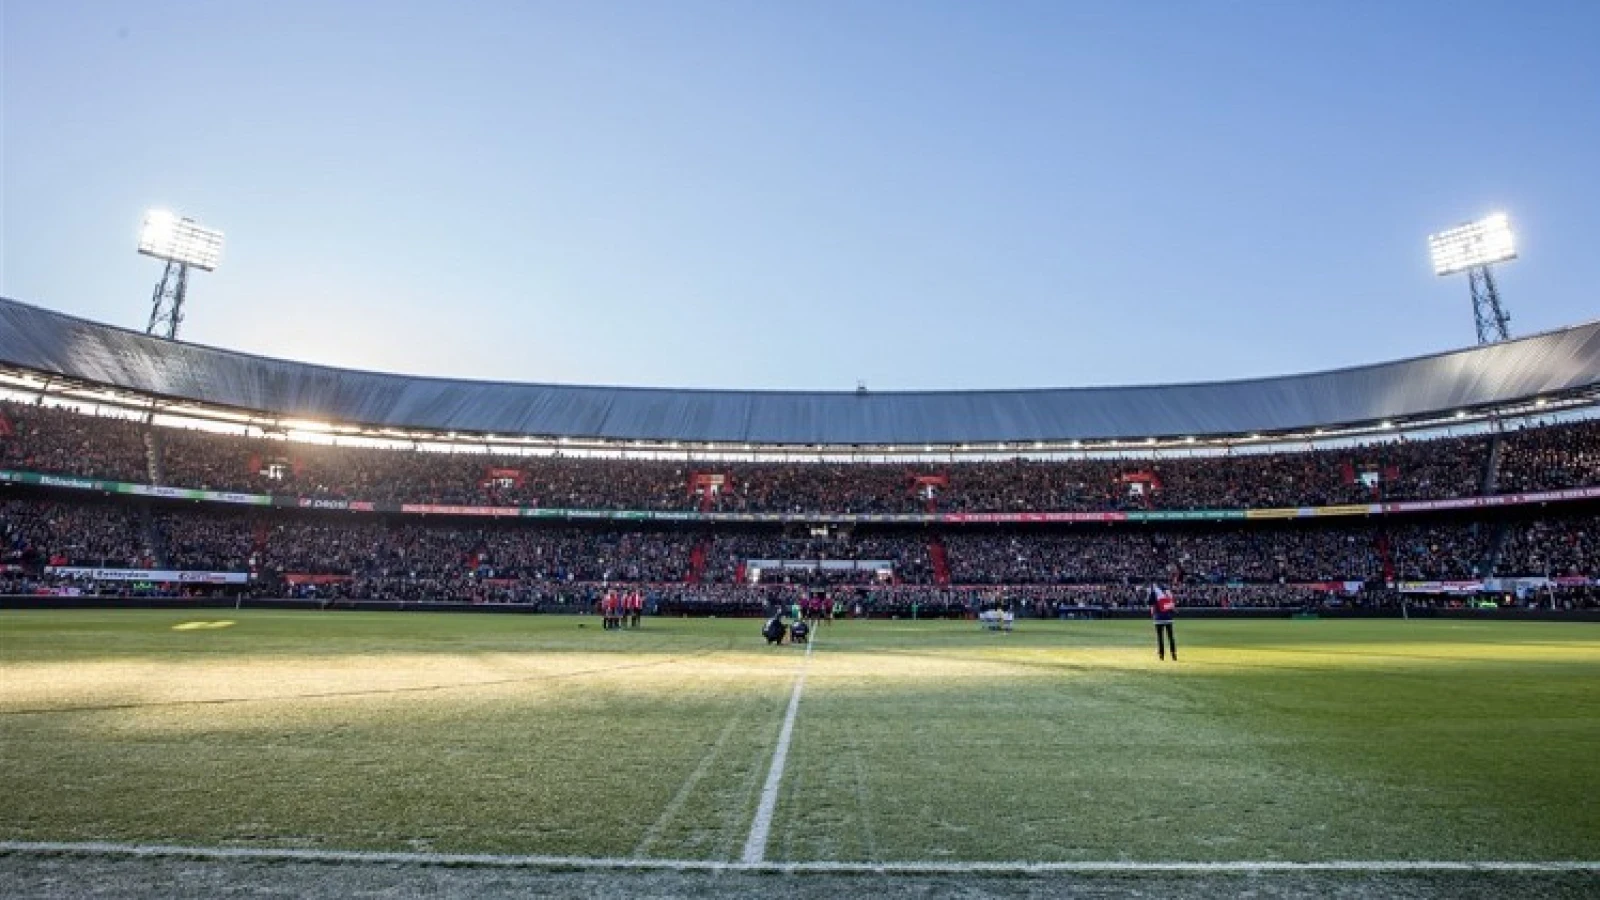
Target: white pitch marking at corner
755 846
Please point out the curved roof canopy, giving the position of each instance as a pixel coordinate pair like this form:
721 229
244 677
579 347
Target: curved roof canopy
1550 364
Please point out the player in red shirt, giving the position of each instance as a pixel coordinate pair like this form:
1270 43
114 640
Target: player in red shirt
1162 607
608 611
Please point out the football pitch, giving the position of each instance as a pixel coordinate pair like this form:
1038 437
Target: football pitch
931 746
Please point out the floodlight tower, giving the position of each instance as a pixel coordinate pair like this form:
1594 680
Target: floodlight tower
181 243
1473 248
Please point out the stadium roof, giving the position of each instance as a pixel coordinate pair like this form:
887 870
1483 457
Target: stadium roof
1553 364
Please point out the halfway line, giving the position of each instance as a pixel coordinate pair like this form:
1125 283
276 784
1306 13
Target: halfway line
755 846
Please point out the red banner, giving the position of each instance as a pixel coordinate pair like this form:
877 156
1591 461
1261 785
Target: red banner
299 578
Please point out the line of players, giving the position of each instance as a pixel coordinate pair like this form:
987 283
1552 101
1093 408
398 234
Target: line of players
619 609
626 608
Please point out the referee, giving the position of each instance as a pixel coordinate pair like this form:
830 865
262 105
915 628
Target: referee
1162 606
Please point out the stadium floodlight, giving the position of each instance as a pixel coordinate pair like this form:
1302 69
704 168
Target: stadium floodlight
1473 248
182 244
165 236
1481 243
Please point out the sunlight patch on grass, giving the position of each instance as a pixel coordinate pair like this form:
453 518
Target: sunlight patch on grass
202 625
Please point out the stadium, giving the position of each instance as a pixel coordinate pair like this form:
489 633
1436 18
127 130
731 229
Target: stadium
789 450
1301 520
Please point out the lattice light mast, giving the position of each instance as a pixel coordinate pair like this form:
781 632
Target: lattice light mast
1474 248
182 244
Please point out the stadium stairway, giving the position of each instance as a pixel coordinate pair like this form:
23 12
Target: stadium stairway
152 456
260 534
697 561
154 539
1489 484
1496 546
1380 542
940 560
1491 466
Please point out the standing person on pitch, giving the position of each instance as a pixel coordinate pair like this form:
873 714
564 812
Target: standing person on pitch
1162 607
635 607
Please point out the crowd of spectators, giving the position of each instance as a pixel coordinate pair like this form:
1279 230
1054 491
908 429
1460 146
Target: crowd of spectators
1438 552
48 439
1553 456
1569 597
208 540
1554 548
394 550
37 531
1123 555
398 549
34 534
459 588
258 465
1417 470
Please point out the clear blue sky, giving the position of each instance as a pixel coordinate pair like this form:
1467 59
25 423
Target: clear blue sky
762 194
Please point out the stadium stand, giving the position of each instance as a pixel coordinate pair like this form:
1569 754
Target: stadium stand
1552 457
1052 529
34 534
407 556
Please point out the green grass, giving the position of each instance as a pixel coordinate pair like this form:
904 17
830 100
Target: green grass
1296 740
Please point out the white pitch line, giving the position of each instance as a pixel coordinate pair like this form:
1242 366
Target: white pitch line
755 846
868 842
932 867
675 805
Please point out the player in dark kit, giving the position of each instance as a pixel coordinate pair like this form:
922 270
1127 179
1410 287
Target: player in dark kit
774 629
1162 607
